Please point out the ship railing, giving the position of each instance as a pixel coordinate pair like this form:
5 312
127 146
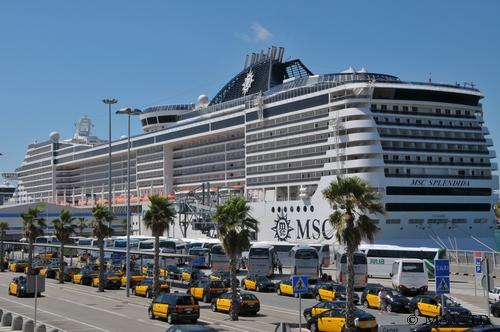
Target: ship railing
467 257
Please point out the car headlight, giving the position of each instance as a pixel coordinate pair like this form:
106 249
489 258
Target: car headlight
356 322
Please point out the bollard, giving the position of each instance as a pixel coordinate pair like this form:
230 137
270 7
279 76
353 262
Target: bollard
28 326
6 319
17 323
40 328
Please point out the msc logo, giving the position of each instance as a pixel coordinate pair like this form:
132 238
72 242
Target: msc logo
282 228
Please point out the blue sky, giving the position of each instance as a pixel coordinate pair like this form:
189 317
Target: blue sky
58 59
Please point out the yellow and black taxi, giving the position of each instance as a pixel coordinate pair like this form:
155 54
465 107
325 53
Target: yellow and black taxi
145 288
223 276
174 307
331 291
206 289
322 307
86 274
395 301
135 277
333 321
249 303
50 270
258 284
429 305
111 279
190 274
19 287
18 265
69 272
454 323
147 269
285 287
171 272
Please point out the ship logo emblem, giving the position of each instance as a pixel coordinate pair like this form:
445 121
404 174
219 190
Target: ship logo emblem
247 84
282 228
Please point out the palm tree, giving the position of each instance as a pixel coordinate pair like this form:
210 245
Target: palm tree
3 231
81 225
102 218
235 228
352 199
63 229
33 227
158 218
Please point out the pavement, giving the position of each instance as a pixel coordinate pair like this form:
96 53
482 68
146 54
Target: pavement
77 308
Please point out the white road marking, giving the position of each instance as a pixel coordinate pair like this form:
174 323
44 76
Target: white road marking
88 306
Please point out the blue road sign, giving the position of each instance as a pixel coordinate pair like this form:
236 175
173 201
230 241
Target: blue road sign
442 285
441 268
477 261
300 284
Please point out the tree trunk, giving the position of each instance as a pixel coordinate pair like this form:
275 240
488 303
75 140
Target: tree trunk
235 300
156 267
61 263
101 265
30 257
349 324
1 254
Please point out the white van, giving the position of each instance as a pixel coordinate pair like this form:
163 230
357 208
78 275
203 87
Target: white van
409 276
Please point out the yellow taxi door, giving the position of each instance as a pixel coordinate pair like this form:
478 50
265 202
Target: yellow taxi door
13 288
252 285
373 300
160 309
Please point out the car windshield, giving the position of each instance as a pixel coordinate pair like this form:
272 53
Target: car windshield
449 302
217 284
184 300
262 279
247 296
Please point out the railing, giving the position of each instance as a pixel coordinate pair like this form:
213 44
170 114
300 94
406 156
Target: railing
467 257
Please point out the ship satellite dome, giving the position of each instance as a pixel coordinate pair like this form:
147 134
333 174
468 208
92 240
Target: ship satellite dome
123 136
54 136
203 101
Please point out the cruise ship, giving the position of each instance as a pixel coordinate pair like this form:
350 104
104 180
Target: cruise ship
279 134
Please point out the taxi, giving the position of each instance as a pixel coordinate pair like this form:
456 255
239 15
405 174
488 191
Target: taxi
174 307
258 284
322 307
135 277
206 289
395 302
249 303
453 323
188 274
49 271
113 280
18 265
86 274
223 276
285 287
333 321
18 286
331 291
145 288
429 305
173 272
69 272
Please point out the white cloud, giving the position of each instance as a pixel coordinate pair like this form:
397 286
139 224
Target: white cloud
260 33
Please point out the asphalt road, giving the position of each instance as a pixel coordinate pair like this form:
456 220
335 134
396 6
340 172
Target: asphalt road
81 308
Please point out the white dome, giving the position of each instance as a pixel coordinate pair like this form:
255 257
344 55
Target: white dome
123 136
54 136
203 101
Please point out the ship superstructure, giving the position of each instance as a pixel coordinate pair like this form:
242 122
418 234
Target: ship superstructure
279 134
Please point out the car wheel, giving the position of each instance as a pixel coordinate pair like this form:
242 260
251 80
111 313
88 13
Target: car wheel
416 312
496 313
279 291
318 297
257 289
213 307
150 314
170 320
389 308
365 304
205 298
314 328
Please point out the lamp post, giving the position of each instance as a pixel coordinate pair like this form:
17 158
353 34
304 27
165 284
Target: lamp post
129 112
109 102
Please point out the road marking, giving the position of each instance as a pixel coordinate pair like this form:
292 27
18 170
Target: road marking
288 312
57 315
141 320
87 306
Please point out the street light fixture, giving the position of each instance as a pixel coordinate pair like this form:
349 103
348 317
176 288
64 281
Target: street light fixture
109 102
129 112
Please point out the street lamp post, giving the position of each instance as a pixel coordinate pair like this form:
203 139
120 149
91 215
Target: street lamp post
129 112
109 102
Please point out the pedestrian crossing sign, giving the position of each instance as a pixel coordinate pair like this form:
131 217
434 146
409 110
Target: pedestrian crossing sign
442 285
300 284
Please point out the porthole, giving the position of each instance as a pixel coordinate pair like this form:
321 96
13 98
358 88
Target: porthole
298 208
305 208
279 209
311 208
284 209
272 209
291 208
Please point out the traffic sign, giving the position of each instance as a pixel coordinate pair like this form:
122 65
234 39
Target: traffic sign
441 268
300 284
442 285
477 261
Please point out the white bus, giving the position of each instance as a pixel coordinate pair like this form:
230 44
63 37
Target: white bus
304 261
201 259
261 260
218 259
202 243
409 276
360 269
381 257
323 252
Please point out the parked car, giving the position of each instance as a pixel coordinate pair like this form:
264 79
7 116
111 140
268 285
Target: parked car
495 309
457 323
322 306
258 284
174 307
249 303
395 301
334 320
494 295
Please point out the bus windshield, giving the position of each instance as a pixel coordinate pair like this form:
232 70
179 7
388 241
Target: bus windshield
306 254
358 259
261 252
218 250
146 245
168 245
413 267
